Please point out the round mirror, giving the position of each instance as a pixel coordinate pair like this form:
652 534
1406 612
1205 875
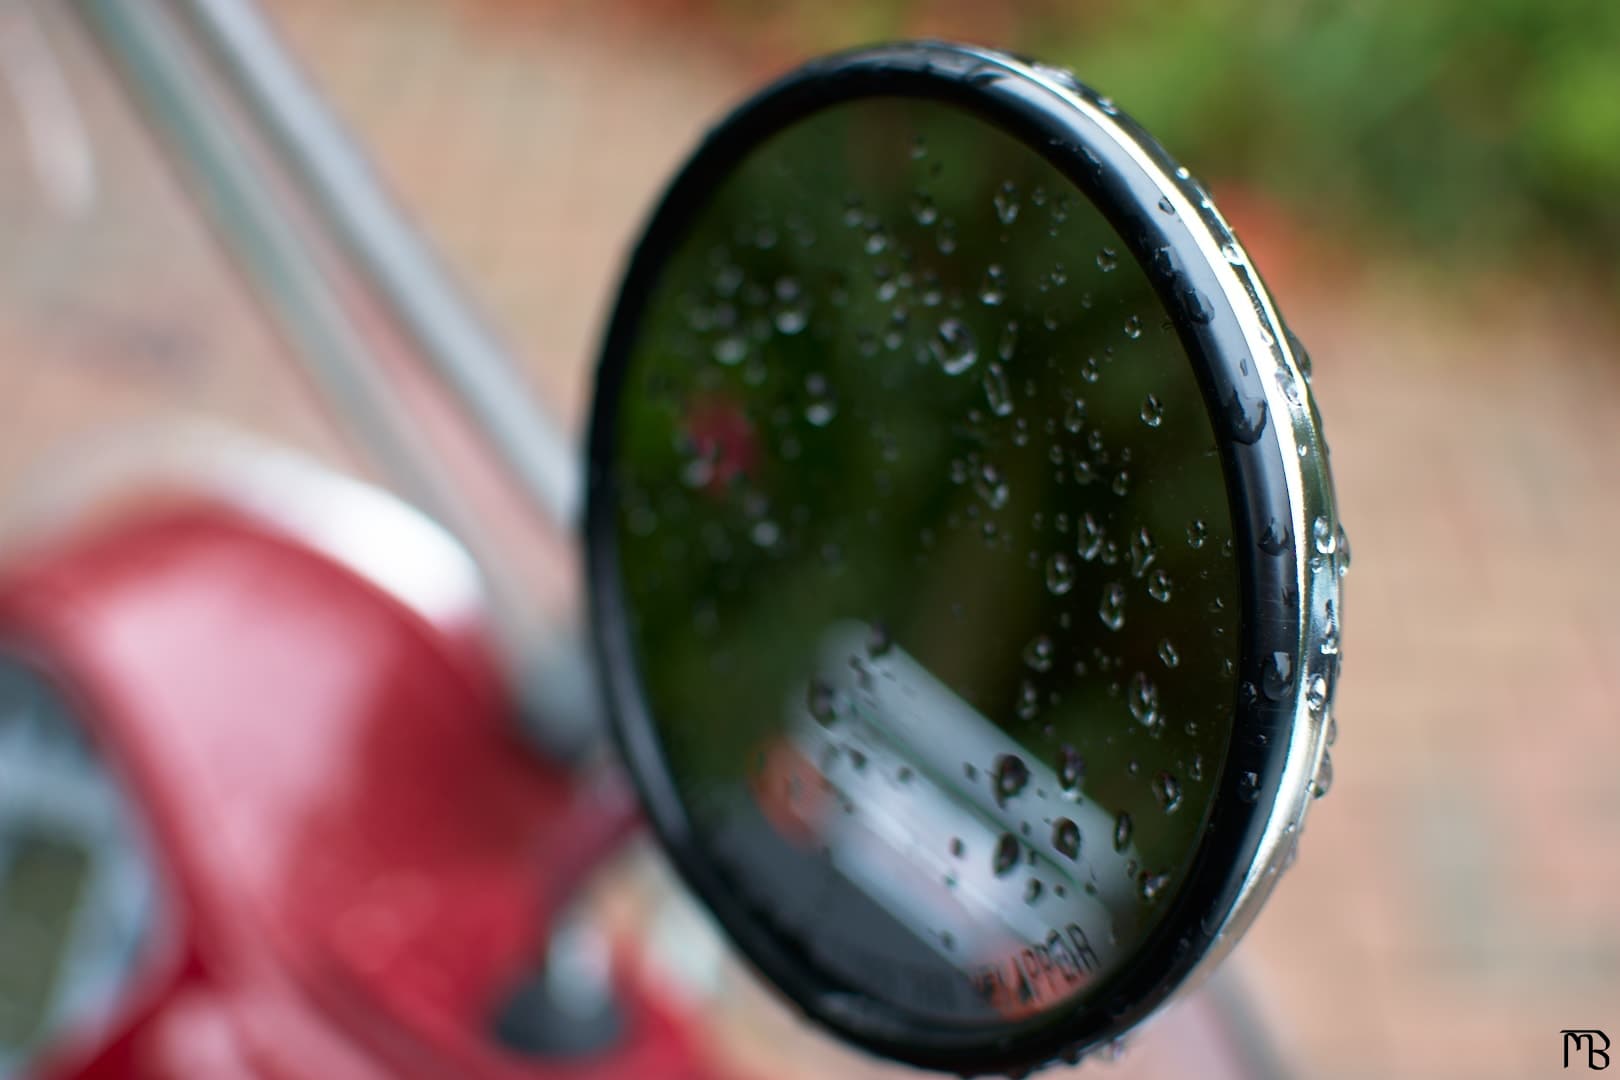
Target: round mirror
962 554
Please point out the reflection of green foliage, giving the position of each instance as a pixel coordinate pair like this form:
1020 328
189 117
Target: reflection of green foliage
882 487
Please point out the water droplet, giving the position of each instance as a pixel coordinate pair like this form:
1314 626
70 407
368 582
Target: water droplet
1152 411
1196 304
953 346
990 485
924 210
1122 831
1074 417
996 392
1006 855
1343 561
731 349
1327 541
1316 695
1245 418
1167 789
1071 768
1111 608
1158 586
1276 676
1011 776
1277 538
1133 327
993 290
1143 552
1302 358
1143 701
821 408
1006 201
1059 574
1091 538
1249 787
1324 776
1066 837
791 312
1168 654
1153 886
822 701
1122 483
1038 654
1107 259
1197 533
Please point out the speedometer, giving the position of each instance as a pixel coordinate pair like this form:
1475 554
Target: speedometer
77 881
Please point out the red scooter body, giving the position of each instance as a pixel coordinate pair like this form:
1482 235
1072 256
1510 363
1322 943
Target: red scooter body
360 857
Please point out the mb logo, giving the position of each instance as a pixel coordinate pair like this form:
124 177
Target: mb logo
1592 1042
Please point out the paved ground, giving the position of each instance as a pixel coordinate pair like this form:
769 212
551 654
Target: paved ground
1454 906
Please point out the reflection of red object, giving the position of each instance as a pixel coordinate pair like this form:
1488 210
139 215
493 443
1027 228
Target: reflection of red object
792 793
360 858
723 437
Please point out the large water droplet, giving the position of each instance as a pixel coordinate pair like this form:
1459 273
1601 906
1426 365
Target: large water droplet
1066 837
1152 411
1111 607
1133 327
1197 533
1059 574
954 347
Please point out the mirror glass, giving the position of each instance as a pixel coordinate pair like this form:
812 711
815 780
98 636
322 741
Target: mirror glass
926 555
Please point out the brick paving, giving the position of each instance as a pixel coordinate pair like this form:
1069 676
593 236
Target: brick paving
1454 904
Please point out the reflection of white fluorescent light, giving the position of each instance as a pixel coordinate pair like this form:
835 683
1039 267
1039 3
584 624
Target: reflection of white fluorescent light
897 758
